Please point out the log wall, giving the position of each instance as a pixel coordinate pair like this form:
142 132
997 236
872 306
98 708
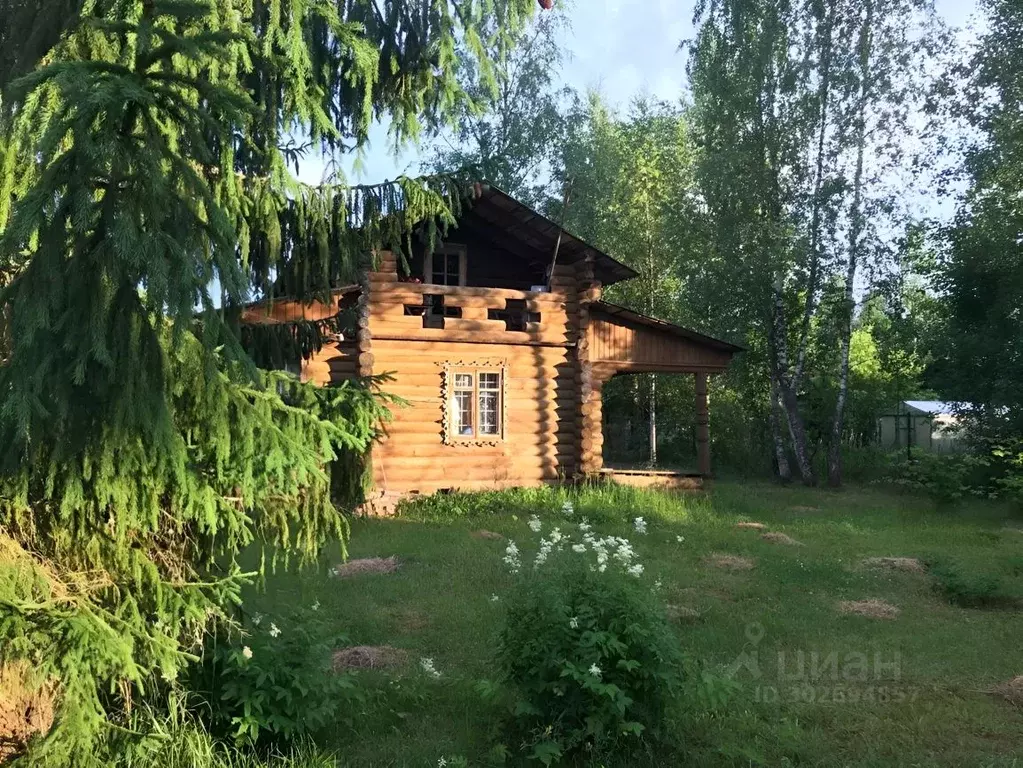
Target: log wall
541 384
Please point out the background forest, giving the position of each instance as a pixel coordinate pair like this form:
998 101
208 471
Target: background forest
155 471
790 203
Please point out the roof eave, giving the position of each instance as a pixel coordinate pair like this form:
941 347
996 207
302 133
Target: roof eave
616 310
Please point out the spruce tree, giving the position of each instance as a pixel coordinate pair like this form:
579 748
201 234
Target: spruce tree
144 196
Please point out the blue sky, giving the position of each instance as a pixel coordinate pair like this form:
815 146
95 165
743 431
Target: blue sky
622 48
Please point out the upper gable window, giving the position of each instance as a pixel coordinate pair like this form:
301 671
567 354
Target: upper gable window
446 265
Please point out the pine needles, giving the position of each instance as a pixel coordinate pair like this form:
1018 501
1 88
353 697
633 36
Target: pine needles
144 196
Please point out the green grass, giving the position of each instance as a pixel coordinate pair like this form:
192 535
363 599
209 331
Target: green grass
933 713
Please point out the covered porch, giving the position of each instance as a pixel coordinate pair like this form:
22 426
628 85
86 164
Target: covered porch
621 341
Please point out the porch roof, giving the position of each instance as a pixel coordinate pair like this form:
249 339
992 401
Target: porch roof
631 316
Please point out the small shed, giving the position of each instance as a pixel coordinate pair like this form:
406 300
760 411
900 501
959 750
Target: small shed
930 425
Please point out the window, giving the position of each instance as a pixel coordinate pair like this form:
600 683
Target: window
446 265
474 396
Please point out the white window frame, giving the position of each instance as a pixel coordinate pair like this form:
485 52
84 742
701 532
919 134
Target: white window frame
446 249
451 432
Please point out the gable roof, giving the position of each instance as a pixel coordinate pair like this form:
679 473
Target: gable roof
935 407
632 316
518 221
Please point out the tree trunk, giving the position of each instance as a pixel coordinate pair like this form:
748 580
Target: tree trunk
855 232
653 420
789 399
823 95
782 468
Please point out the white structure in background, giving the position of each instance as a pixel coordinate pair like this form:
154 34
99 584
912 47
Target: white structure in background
930 425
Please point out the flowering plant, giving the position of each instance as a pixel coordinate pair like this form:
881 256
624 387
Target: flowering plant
587 655
272 682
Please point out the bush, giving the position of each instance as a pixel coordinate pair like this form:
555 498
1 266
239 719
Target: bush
984 590
590 661
944 477
274 684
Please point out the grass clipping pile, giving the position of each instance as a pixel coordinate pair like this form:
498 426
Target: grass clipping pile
1011 691
905 564
871 609
366 565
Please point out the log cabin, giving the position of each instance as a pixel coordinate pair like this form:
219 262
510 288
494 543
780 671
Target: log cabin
499 342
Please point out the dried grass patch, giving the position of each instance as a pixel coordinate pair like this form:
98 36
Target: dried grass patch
681 612
905 564
776 537
749 526
366 565
487 535
369 657
729 562
872 609
408 619
25 710
1010 690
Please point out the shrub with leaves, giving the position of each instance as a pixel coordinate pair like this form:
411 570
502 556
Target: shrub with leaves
944 477
968 589
589 659
273 684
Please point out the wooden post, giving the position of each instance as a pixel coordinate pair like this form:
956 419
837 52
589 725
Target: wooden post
702 426
588 422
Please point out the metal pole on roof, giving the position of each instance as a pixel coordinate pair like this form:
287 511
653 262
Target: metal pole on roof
561 228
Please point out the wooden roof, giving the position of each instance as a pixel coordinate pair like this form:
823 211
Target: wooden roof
518 222
633 317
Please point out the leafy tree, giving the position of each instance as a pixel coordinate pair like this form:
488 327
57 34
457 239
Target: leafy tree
753 118
802 112
895 41
144 195
633 194
980 360
511 134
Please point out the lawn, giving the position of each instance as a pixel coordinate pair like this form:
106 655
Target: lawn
818 686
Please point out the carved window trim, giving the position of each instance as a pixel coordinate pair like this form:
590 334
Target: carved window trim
449 433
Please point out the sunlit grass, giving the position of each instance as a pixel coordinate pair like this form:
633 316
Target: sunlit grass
934 712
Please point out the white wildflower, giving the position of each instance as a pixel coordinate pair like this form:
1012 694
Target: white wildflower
574 622
585 526
636 570
556 536
494 598
247 652
594 670
624 551
579 548
680 539
534 524
441 762
567 509
427 665
316 606
640 525
658 584
257 619
511 557
275 631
